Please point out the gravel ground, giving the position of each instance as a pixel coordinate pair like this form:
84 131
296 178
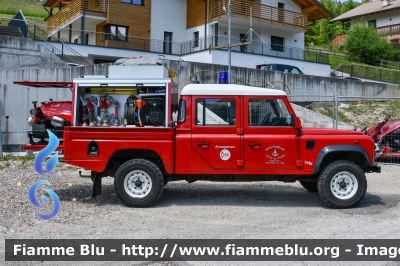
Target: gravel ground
263 210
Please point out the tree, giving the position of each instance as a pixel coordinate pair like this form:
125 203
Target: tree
365 43
347 6
320 32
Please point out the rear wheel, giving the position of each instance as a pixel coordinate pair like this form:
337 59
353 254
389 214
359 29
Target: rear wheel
138 183
310 186
342 184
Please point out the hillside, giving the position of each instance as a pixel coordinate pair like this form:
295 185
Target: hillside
362 114
32 9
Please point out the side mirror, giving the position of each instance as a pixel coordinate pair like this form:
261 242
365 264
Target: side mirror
296 126
292 120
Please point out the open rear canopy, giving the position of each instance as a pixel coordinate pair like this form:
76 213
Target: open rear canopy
42 84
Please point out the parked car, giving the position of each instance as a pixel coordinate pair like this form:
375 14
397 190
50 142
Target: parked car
351 78
280 67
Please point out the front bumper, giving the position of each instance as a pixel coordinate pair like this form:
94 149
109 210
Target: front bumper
374 169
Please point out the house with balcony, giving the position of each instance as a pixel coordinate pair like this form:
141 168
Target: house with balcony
384 16
187 29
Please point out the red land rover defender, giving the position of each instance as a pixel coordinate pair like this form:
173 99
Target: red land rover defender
222 132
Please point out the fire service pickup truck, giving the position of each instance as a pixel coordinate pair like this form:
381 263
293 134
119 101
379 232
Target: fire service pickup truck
222 132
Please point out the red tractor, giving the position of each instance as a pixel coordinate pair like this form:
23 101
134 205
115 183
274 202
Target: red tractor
51 116
386 138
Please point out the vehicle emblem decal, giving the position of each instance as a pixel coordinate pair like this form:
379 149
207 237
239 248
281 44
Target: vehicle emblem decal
225 155
275 154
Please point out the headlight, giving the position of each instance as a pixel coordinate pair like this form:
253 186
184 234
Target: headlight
30 121
57 121
33 111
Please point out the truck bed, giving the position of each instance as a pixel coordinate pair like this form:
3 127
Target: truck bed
110 140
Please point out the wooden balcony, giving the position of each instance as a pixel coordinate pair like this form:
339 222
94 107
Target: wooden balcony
74 9
261 13
389 30
385 31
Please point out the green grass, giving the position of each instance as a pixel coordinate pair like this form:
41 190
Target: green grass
371 72
35 19
23 159
30 8
23 162
334 61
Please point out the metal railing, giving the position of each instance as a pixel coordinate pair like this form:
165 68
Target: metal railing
370 72
57 43
364 113
260 13
315 110
1 131
334 53
352 113
188 47
390 64
54 44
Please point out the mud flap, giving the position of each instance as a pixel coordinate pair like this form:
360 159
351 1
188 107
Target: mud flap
374 169
96 185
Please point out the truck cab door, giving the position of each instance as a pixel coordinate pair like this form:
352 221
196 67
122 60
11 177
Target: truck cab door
269 140
216 133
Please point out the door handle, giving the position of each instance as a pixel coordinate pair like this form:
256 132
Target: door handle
202 144
255 145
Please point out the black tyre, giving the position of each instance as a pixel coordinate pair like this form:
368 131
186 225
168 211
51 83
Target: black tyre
138 183
342 184
310 186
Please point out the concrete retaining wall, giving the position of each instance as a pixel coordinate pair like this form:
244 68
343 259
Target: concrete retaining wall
296 84
22 53
17 99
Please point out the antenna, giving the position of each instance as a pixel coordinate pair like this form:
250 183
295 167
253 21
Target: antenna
251 29
229 41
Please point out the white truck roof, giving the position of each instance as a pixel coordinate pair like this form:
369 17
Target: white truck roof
228 89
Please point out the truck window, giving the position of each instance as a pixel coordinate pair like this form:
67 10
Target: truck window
268 112
182 111
215 112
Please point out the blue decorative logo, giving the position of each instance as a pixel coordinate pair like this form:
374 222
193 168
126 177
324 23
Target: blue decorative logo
36 203
46 151
50 165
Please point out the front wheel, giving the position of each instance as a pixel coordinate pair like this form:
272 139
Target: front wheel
138 183
342 184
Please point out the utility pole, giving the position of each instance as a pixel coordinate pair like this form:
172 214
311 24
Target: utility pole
205 24
83 23
229 45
